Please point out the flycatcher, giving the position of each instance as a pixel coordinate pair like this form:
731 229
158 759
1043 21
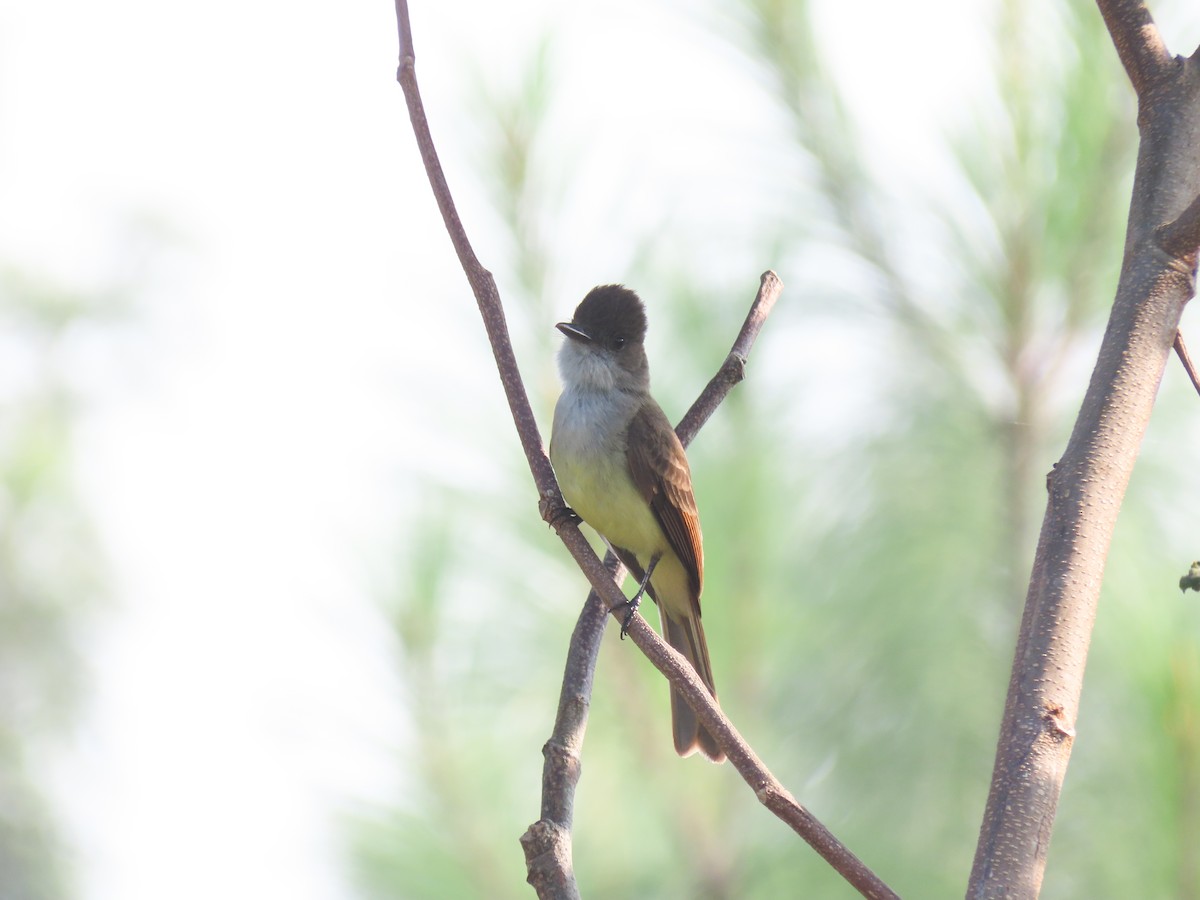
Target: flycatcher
623 470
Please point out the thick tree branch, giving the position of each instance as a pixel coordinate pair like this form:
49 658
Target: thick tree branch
766 787
1139 45
1087 486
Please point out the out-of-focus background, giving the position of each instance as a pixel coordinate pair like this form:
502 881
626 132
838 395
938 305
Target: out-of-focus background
278 617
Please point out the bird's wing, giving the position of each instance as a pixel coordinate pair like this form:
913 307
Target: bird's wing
660 470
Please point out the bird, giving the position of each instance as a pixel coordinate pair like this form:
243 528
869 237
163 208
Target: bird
622 469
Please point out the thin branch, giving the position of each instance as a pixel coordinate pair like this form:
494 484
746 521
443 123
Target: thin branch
547 842
770 792
1182 353
1139 45
482 284
733 370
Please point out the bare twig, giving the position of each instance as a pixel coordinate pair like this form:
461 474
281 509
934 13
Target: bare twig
766 787
547 842
770 792
733 369
487 297
1182 352
482 284
1139 45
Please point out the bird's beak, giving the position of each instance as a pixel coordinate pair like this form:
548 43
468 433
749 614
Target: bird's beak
574 332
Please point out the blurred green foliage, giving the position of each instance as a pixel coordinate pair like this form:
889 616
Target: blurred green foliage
51 575
863 587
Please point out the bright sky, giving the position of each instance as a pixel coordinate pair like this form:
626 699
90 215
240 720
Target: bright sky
249 446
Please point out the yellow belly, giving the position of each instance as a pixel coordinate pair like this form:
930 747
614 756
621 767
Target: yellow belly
602 493
598 487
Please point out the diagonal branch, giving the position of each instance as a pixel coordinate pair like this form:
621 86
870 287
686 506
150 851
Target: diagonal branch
1139 45
768 789
482 284
733 369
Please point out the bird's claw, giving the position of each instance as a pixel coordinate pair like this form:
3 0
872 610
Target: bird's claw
631 607
632 611
563 516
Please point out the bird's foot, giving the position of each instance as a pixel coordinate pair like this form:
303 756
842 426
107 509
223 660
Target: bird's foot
559 515
633 604
631 608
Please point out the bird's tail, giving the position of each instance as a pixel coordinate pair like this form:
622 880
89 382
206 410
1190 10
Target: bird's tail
686 635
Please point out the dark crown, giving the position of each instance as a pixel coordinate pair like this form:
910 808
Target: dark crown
611 311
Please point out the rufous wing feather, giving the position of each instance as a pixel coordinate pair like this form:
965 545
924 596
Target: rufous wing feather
660 470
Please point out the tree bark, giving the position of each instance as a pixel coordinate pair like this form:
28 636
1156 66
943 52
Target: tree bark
1087 485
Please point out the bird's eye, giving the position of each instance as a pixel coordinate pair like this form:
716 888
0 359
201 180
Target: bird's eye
618 343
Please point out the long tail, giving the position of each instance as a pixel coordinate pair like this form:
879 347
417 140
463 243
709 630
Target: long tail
687 636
